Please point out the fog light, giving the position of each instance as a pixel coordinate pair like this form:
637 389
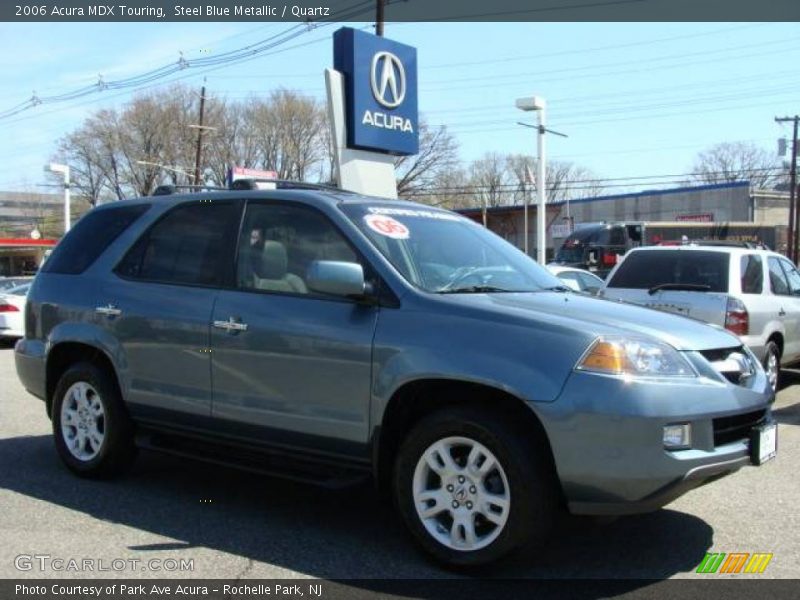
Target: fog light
678 436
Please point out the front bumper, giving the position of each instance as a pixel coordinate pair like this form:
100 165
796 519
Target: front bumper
606 435
29 356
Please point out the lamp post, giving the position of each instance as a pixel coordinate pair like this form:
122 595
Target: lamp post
64 170
538 104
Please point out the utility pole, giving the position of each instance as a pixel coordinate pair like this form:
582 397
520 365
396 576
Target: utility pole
379 17
792 236
200 129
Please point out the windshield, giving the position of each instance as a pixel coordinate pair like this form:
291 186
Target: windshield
442 252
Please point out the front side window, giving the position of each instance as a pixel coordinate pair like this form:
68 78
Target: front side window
188 246
441 252
777 278
792 276
278 244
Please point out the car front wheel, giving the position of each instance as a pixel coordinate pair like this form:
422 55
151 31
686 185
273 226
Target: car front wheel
471 488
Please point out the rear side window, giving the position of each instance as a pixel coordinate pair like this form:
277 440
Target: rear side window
92 234
192 245
752 272
644 270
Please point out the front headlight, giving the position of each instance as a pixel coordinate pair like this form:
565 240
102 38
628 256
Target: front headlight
634 357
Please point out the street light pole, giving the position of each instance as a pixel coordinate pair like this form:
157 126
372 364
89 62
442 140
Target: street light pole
538 104
541 190
64 170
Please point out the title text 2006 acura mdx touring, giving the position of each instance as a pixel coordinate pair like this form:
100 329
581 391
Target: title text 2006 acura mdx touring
329 336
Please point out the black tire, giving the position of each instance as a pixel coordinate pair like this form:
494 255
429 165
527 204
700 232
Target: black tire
525 460
117 450
772 350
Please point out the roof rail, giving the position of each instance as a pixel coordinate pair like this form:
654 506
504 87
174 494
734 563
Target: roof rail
251 183
719 243
168 189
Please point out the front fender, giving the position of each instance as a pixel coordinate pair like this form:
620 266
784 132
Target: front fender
508 356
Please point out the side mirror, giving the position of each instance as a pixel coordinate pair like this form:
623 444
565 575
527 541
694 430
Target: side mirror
336 278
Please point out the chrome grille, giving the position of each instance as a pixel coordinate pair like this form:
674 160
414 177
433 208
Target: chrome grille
734 364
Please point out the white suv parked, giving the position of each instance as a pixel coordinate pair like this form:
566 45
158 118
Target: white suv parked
753 293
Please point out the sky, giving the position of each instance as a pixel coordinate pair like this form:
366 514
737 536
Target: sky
635 99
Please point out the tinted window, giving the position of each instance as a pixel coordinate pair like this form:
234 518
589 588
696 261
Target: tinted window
91 235
616 236
792 276
777 278
752 274
647 269
279 243
188 246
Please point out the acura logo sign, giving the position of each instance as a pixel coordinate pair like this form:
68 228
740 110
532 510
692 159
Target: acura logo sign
388 79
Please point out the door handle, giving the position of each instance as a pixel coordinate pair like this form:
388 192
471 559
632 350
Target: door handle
109 310
231 325
781 312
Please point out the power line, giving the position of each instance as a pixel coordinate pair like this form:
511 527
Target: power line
233 56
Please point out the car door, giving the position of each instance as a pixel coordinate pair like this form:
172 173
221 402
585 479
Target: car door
288 363
786 307
792 308
158 306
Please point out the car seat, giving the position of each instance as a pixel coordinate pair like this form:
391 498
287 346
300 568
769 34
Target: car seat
274 274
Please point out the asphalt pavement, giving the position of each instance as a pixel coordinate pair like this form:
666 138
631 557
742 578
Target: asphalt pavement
223 523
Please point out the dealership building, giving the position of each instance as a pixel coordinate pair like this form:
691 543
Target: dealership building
30 224
724 202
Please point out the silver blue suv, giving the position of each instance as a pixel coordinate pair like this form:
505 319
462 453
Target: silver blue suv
329 336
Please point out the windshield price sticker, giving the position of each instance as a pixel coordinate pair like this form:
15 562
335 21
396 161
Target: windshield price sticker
387 226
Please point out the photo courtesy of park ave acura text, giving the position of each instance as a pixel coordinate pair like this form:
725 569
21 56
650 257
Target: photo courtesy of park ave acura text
355 299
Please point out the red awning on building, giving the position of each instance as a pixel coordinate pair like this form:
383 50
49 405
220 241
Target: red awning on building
27 243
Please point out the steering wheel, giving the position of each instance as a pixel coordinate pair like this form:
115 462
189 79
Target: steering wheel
464 275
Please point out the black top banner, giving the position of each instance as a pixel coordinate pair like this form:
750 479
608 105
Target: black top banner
311 11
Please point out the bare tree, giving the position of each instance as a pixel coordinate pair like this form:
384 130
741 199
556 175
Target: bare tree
438 154
491 182
564 180
737 161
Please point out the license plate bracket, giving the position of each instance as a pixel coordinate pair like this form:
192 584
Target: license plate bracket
763 443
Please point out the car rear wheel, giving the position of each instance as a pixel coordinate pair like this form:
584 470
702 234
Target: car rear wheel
471 487
772 364
93 432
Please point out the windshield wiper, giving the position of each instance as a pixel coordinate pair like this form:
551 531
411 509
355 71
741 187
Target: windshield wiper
558 288
474 289
688 287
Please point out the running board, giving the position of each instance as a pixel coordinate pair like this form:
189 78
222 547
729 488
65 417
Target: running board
269 462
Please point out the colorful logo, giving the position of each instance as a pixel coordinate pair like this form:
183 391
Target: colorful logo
735 562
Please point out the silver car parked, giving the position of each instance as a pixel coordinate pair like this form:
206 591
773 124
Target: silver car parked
751 292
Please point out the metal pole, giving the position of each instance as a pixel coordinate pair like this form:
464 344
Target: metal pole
379 17
525 211
793 252
199 137
67 211
541 184
792 233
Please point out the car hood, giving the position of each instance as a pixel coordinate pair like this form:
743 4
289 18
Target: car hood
598 316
